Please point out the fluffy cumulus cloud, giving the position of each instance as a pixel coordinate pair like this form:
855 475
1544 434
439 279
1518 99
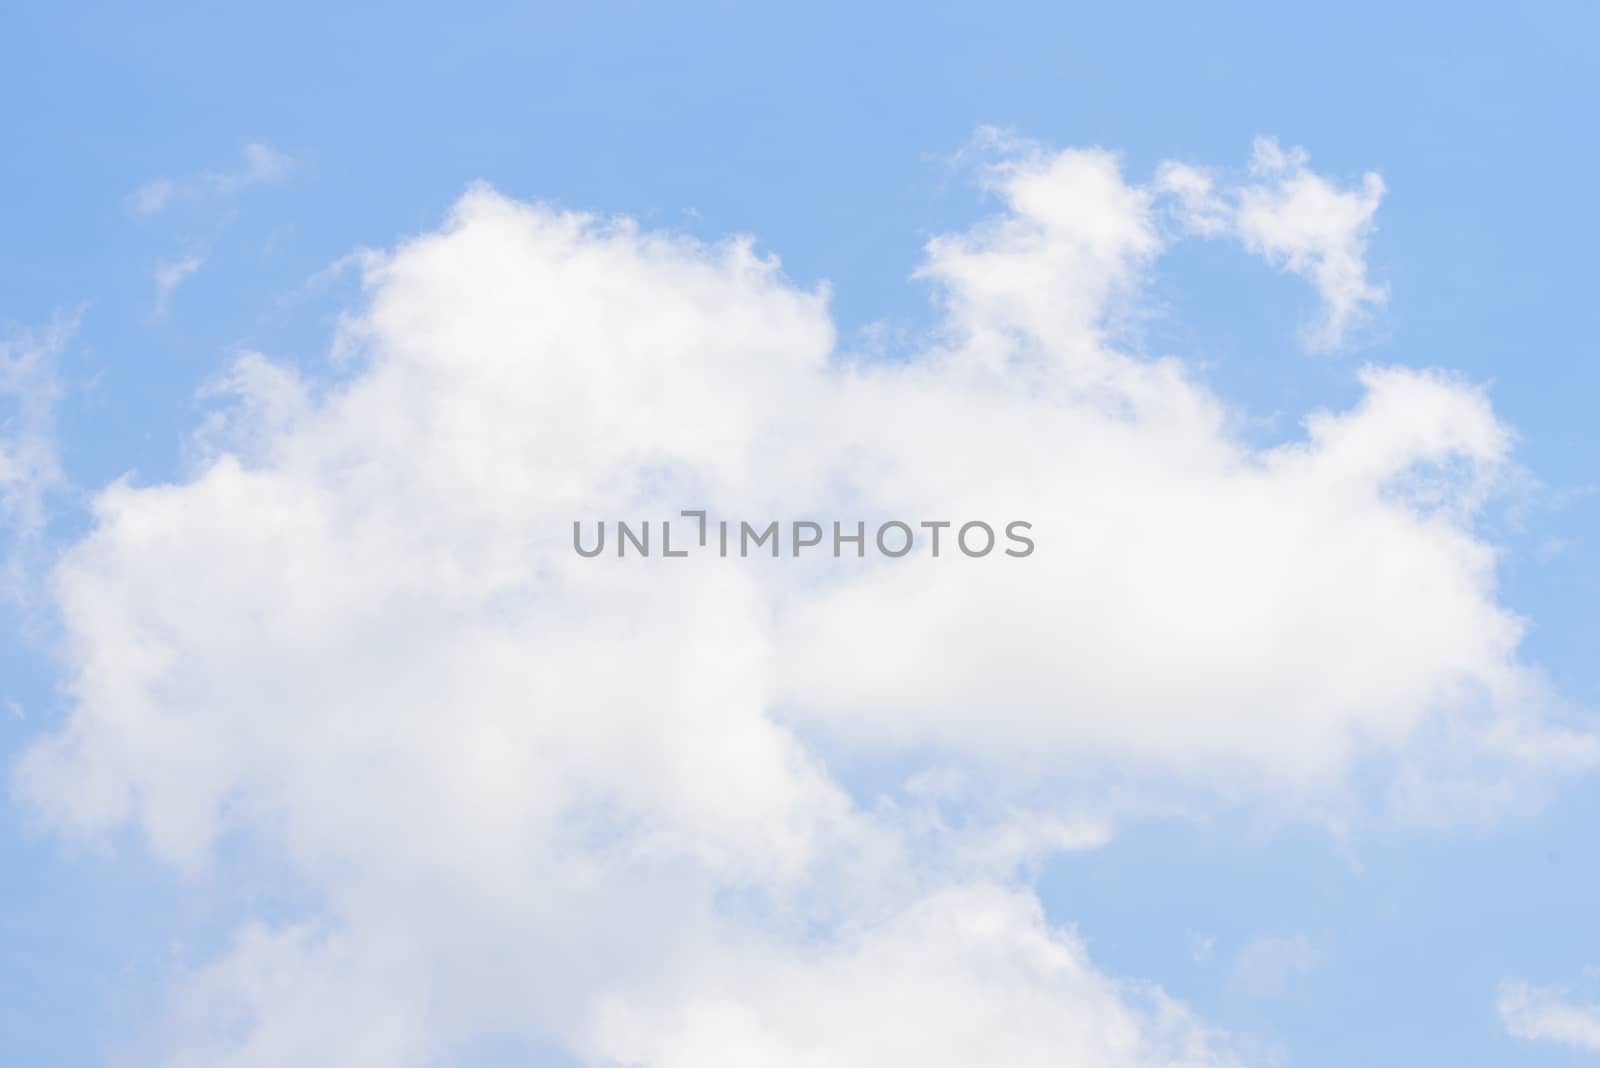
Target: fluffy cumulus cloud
1545 1014
595 802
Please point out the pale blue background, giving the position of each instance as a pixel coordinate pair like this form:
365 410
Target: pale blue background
826 130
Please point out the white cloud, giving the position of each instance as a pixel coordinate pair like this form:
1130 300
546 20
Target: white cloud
1200 208
591 799
259 164
1299 221
965 978
308 999
30 468
170 274
1544 1014
1304 224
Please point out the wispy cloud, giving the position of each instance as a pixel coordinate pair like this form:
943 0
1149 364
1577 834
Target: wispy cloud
259 164
170 274
209 195
1266 966
1298 221
30 470
1547 1014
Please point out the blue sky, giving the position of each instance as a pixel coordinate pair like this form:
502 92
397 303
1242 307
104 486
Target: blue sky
840 139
